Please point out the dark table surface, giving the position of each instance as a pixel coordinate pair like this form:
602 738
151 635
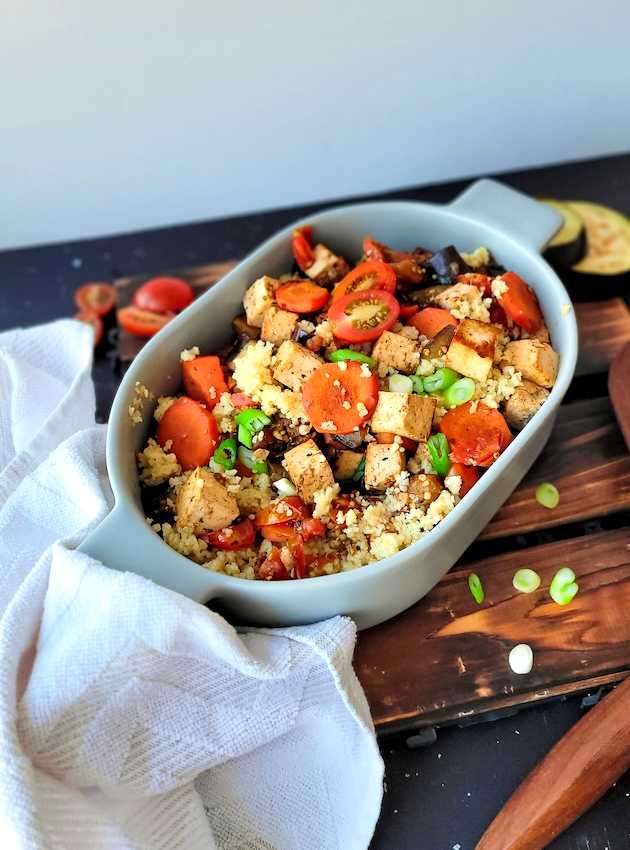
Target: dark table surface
443 796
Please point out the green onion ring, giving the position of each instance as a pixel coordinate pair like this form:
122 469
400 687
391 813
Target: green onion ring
563 586
441 380
476 588
547 495
437 446
349 354
460 392
225 454
526 580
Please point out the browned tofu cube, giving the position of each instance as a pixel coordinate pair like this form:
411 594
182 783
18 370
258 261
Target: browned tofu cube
422 489
203 504
473 349
278 325
400 352
524 402
259 298
382 464
308 469
346 464
328 267
535 360
294 364
404 414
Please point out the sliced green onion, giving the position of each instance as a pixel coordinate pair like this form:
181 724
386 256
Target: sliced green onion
460 392
476 588
440 380
521 659
400 384
225 454
349 354
437 445
418 384
245 437
285 487
547 495
247 458
526 580
563 586
252 419
359 471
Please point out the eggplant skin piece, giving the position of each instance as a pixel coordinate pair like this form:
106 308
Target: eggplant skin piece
569 244
446 264
426 296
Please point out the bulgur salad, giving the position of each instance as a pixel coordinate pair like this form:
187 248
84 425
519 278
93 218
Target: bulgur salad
352 411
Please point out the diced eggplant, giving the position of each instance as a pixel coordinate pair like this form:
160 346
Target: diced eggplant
446 264
345 441
426 296
302 334
437 346
242 329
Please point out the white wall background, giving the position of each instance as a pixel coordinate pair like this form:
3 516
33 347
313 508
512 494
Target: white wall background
125 114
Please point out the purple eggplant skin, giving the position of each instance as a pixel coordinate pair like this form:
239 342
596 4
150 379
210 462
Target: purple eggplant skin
446 264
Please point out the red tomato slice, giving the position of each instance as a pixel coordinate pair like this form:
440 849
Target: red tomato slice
239 536
431 320
142 322
192 430
520 303
363 316
302 297
272 568
497 314
371 274
97 298
302 247
203 380
407 311
278 533
164 295
339 397
480 280
90 318
475 437
310 528
282 511
295 545
373 250
468 474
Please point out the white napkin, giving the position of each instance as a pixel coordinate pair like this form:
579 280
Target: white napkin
131 717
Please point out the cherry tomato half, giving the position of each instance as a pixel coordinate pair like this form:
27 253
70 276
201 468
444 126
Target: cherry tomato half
164 295
302 297
98 298
239 536
142 322
90 318
302 247
363 316
272 568
284 510
372 274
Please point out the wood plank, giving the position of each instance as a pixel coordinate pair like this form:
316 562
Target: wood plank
586 458
604 329
445 658
619 388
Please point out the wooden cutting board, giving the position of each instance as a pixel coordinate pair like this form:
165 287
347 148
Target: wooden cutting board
444 660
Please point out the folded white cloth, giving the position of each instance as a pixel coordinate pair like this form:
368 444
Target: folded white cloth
130 716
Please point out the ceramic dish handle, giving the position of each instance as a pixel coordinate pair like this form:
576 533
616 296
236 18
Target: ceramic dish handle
529 222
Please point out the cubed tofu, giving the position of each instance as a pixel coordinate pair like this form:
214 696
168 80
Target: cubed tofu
259 298
308 469
525 401
473 349
382 464
278 325
535 360
203 504
328 267
404 414
294 364
400 352
422 489
346 464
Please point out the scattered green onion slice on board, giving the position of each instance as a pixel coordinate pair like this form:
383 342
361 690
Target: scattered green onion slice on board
349 354
547 495
526 580
418 384
225 454
460 392
360 470
437 446
521 659
440 380
247 458
476 588
285 487
563 586
400 383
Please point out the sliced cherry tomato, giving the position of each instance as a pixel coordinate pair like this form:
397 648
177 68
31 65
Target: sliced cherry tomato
204 380
192 430
341 503
373 250
497 314
278 533
363 316
302 297
310 528
476 437
482 281
407 311
98 298
142 322
339 397
387 438
90 318
372 274
239 536
302 247
284 510
468 474
243 471
272 568
241 401
431 320
164 295
404 264
520 303
295 545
